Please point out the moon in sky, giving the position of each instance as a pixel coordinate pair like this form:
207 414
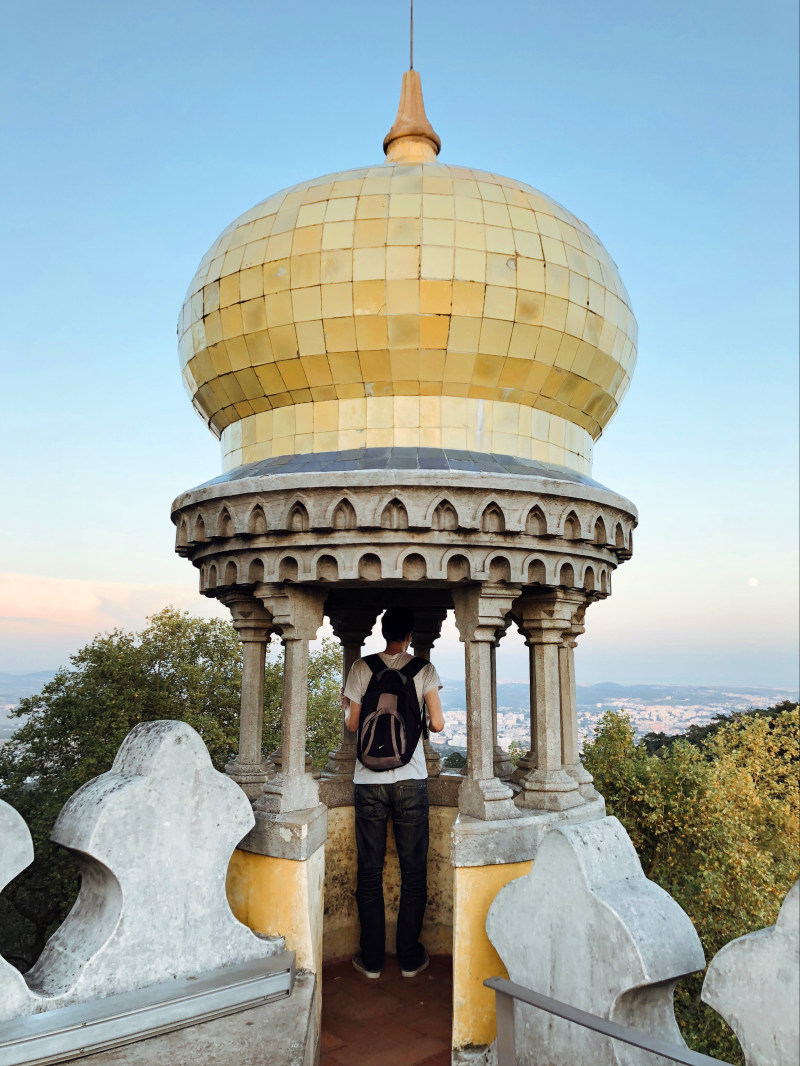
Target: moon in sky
753 581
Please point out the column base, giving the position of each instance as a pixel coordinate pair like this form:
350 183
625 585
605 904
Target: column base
503 767
341 763
250 777
579 773
548 790
433 759
524 766
487 799
287 793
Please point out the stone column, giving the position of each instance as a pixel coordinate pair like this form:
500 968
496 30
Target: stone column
527 762
480 613
543 620
253 625
297 615
427 630
570 745
351 626
502 764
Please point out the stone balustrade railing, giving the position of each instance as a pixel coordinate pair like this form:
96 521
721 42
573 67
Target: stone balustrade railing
154 837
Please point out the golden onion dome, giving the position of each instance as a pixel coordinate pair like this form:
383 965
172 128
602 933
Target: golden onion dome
410 304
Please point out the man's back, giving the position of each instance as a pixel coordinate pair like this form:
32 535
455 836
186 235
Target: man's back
425 682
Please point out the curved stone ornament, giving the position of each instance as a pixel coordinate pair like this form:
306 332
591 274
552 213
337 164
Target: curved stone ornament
754 984
153 838
585 926
16 853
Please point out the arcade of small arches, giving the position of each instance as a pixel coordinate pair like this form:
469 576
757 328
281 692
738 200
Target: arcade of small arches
282 557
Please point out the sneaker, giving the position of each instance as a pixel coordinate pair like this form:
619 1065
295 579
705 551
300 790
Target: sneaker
422 966
358 964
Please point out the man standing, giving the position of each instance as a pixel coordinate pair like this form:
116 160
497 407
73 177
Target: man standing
401 794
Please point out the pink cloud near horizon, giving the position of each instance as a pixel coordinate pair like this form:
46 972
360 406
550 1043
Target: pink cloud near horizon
43 620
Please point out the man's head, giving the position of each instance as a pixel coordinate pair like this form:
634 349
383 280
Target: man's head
397 625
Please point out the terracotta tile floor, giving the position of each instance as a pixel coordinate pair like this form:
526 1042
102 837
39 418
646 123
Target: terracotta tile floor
394 1021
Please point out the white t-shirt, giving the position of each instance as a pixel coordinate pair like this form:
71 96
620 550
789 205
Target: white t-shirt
426 681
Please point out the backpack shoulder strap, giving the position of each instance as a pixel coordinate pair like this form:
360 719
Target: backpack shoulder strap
413 667
375 663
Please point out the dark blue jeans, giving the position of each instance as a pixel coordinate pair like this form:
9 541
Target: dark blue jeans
406 802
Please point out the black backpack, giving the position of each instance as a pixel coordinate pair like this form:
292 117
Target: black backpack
392 719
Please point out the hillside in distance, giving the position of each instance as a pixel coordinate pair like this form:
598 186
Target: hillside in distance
653 708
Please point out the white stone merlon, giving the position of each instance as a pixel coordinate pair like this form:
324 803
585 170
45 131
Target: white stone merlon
754 983
16 853
586 927
153 838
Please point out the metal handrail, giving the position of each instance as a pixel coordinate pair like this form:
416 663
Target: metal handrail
507 991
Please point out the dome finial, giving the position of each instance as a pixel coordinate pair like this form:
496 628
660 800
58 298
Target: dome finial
411 139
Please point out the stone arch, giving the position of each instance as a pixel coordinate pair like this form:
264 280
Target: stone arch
212 576
394 515
566 575
369 567
327 568
604 581
255 573
600 533
493 520
619 536
537 572
630 540
297 520
445 516
231 572
257 522
224 523
203 577
183 534
572 527
344 516
458 568
288 568
415 568
199 528
535 522
588 579
499 569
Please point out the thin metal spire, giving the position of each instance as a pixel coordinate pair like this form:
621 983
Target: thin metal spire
411 60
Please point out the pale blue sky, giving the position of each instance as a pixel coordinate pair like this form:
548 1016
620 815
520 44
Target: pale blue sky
134 133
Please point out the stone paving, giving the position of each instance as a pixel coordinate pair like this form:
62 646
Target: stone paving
394 1021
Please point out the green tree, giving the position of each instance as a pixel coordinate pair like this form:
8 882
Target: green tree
714 820
516 749
454 761
177 667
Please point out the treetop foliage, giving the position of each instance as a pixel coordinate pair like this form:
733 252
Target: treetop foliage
714 817
178 667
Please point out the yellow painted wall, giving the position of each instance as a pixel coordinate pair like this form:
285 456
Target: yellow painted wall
474 958
281 897
341 929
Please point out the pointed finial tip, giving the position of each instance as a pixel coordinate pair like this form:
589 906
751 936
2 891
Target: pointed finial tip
411 139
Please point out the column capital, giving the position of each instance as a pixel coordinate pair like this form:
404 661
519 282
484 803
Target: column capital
296 610
550 617
481 610
351 625
250 619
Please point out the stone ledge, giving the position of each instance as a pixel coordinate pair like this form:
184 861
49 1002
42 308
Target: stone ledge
296 835
283 1033
477 843
336 790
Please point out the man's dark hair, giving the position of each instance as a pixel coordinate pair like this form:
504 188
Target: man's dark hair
397 623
